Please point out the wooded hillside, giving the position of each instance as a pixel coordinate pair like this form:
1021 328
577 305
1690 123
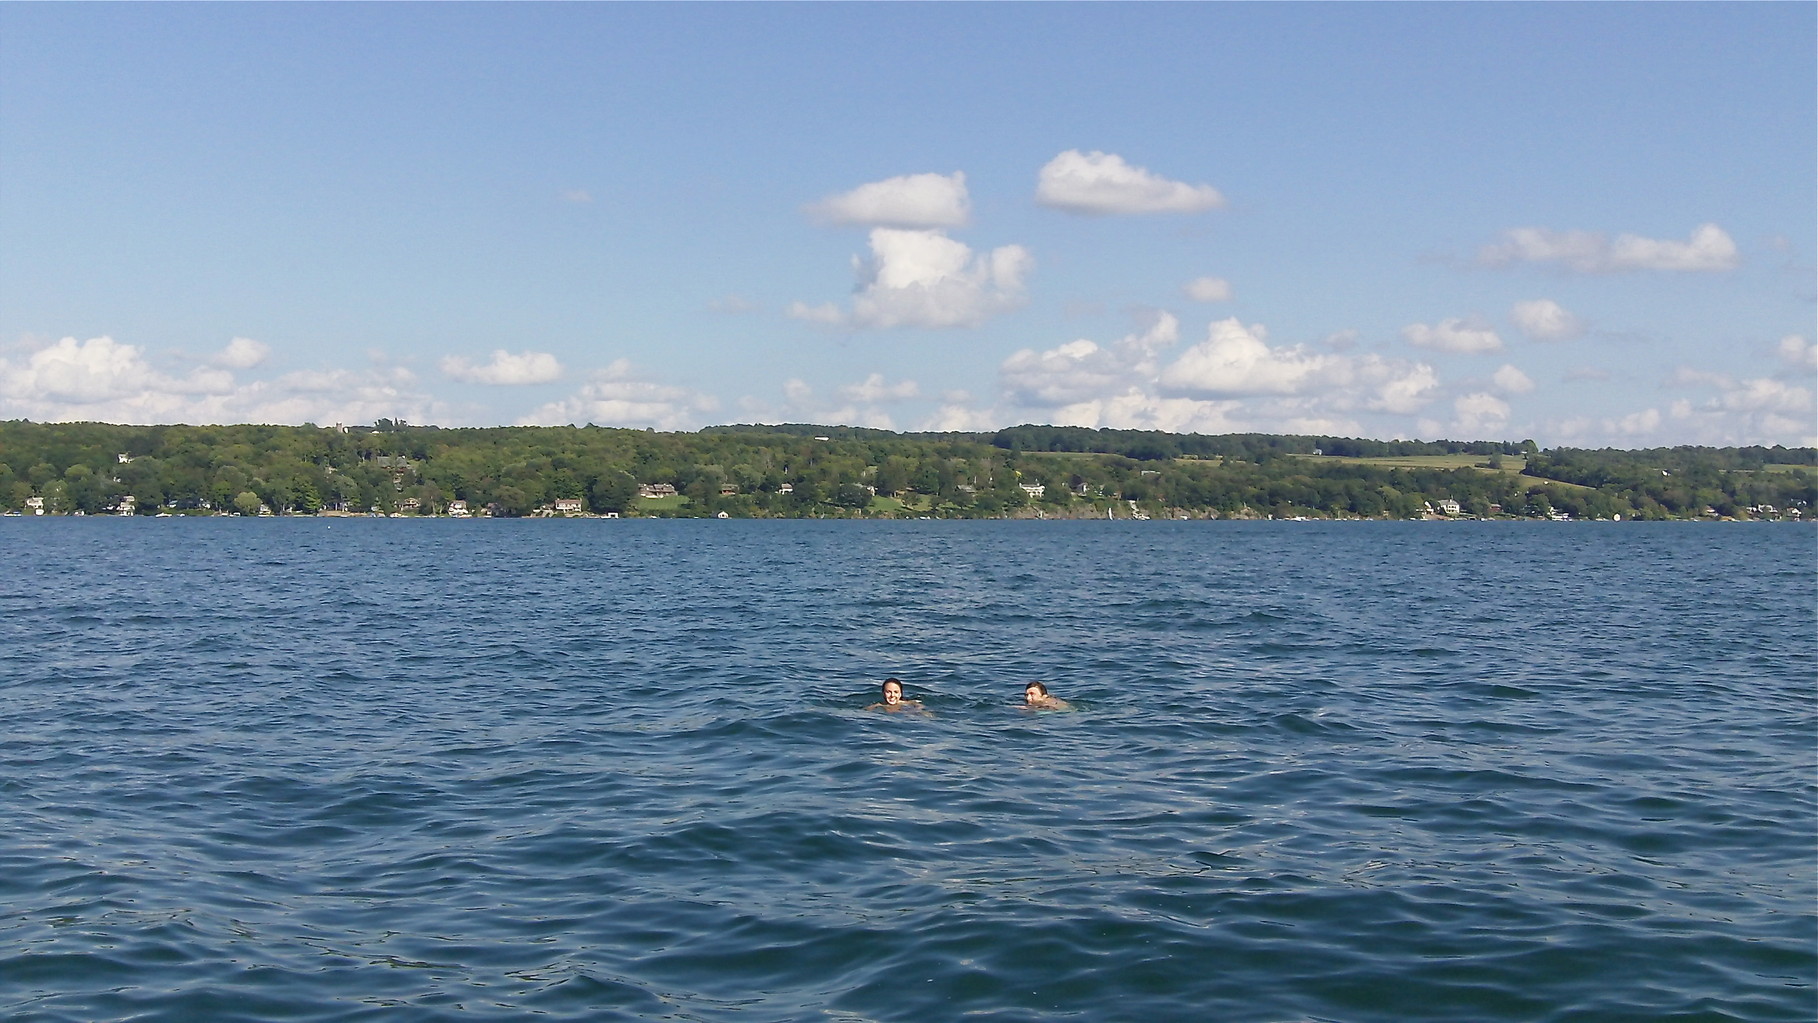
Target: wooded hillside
803 470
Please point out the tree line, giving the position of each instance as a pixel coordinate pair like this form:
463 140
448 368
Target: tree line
801 470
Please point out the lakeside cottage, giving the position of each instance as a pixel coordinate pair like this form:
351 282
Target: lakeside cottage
568 506
656 490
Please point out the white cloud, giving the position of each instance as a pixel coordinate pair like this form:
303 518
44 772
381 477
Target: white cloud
1510 380
874 389
1141 410
577 195
1102 183
926 279
80 372
860 403
1638 423
1798 353
614 397
1234 362
1080 370
1767 395
242 353
1400 388
911 201
104 380
1234 380
957 415
505 369
1732 411
332 396
1208 289
1479 415
1453 335
1746 395
1707 249
1545 320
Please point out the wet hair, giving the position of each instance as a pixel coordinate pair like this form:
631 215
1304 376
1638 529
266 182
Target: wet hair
1037 686
887 683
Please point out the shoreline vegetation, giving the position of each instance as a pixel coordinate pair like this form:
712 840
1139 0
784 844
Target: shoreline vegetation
391 468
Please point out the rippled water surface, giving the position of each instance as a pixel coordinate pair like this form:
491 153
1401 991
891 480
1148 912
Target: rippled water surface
614 770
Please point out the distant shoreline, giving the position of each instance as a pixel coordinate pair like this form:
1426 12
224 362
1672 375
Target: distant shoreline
816 472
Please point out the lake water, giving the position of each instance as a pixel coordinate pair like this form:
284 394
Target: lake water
621 770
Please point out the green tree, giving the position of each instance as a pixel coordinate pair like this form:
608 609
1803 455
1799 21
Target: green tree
613 491
247 503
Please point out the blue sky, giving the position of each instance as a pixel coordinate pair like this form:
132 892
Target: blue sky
1586 224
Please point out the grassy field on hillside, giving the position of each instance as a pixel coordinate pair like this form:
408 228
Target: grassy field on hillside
1510 463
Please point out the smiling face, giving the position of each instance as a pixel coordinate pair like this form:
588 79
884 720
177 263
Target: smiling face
893 692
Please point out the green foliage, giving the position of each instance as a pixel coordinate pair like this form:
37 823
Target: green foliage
855 472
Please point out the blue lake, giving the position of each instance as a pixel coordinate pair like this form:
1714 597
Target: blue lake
622 770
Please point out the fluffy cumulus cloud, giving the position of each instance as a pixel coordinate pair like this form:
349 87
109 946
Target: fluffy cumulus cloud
926 279
105 380
912 201
1708 249
1081 371
614 396
1543 319
1207 289
1798 353
1454 335
1234 362
505 368
1103 183
1233 380
1479 414
1510 380
242 353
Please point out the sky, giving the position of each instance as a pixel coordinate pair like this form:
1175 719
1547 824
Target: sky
1588 225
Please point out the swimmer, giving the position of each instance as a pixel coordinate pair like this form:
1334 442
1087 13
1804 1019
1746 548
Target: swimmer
1037 697
892 691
